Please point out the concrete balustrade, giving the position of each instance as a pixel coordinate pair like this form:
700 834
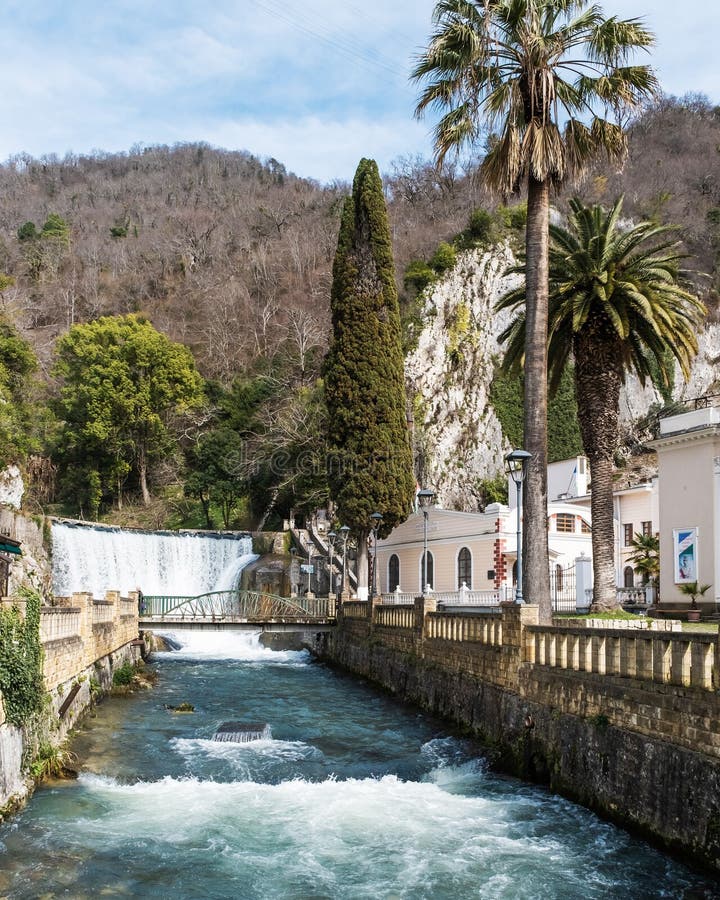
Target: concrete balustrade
643 653
665 658
103 612
355 609
395 616
466 628
58 623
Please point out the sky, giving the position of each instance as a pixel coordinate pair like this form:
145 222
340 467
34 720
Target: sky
316 84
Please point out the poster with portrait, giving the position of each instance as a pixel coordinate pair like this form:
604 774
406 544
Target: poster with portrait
685 551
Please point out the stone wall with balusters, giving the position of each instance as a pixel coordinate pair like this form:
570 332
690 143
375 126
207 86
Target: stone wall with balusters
623 720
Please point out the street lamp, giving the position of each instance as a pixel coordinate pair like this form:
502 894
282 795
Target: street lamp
344 531
516 464
376 522
309 571
331 545
425 499
293 573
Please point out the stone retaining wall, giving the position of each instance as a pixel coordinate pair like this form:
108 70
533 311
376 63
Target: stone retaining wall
84 641
626 728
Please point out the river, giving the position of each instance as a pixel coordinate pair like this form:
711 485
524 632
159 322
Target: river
351 796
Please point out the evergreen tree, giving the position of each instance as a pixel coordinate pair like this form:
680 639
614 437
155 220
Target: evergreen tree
370 460
125 386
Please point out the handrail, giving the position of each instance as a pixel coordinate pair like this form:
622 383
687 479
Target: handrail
234 604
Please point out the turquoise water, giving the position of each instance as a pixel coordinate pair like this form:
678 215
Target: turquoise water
353 796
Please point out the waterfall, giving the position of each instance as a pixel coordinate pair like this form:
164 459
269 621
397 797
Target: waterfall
97 558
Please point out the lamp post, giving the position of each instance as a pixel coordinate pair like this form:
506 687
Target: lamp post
425 499
376 522
293 572
344 531
516 463
331 546
309 571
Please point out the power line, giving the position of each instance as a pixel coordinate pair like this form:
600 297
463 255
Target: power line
347 47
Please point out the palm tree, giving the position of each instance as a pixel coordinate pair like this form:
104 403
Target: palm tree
645 557
616 307
533 75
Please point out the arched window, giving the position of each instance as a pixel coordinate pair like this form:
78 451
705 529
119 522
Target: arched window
464 568
629 577
430 570
558 577
393 572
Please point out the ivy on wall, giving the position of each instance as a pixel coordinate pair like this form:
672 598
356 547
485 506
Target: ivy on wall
506 396
21 660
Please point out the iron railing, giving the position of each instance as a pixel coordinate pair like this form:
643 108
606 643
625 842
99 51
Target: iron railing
234 605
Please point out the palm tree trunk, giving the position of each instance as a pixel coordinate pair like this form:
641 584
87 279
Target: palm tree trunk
598 378
536 568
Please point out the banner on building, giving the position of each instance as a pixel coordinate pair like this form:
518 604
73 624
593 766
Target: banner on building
685 553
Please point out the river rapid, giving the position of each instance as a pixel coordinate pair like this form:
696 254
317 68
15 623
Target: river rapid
351 796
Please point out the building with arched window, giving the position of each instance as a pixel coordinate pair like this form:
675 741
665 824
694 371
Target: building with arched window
478 549
474 550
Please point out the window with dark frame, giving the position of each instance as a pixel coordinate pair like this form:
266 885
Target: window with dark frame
464 568
393 572
647 529
430 570
628 532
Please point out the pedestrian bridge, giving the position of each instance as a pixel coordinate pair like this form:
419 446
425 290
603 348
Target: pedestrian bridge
239 608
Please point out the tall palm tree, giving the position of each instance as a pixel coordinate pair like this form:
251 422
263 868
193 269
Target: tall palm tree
615 306
532 74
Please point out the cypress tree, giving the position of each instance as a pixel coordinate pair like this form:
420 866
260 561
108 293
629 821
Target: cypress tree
370 457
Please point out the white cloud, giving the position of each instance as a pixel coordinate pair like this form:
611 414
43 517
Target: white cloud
315 83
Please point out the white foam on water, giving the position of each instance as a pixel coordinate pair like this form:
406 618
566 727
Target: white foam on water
360 837
263 749
99 559
225 643
229 578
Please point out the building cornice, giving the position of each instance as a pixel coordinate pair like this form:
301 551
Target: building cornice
693 435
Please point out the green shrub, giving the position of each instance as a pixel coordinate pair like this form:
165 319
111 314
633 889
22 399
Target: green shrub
123 676
51 762
514 217
418 275
480 225
444 258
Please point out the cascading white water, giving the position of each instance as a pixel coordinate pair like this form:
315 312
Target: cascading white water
98 559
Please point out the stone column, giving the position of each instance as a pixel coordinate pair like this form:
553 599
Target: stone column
423 605
583 581
85 602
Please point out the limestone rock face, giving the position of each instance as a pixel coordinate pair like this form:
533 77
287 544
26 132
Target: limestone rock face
12 487
458 437
449 375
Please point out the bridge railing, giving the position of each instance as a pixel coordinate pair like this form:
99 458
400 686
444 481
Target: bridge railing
242 605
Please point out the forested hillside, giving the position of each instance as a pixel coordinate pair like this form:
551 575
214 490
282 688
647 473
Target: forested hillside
231 257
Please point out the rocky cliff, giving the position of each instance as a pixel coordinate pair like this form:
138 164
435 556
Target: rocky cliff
458 436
